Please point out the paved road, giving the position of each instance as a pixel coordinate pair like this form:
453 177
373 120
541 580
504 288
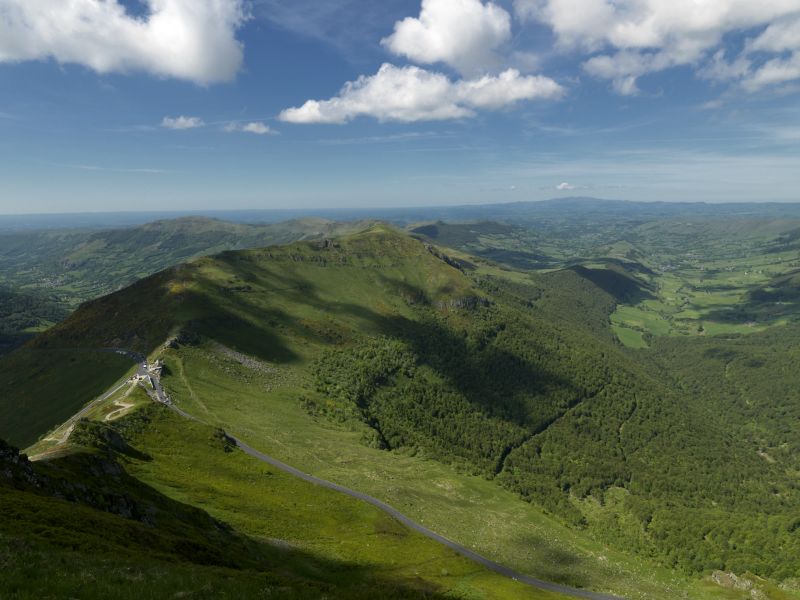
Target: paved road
491 565
462 550
474 556
142 371
70 423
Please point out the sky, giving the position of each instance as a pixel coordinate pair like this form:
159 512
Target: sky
126 105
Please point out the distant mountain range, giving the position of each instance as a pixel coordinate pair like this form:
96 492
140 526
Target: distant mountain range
492 211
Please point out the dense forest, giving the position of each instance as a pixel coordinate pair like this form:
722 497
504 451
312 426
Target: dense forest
21 314
654 451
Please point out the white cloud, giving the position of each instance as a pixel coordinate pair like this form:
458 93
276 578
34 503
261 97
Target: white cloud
623 69
98 168
393 94
256 127
184 39
461 33
712 104
565 187
182 122
781 38
493 92
464 34
410 94
774 72
719 68
637 37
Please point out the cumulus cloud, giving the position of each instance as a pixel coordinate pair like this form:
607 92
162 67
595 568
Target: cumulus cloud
182 122
637 37
256 127
410 93
466 35
461 33
565 187
184 39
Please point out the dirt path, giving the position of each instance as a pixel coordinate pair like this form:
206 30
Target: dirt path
63 438
122 405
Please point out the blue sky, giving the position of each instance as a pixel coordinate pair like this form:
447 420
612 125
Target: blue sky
222 104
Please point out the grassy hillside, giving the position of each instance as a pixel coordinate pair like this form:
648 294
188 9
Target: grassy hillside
378 361
698 272
48 387
81 526
49 273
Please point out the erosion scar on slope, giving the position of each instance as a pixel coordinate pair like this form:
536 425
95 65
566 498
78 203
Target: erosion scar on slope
185 380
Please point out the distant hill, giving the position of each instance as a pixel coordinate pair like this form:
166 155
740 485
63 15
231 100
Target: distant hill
57 262
52 271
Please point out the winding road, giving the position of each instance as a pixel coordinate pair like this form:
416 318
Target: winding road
393 512
136 357
463 551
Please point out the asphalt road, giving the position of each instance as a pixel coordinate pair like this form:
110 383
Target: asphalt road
462 550
142 371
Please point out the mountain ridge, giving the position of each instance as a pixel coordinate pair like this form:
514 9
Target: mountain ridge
517 381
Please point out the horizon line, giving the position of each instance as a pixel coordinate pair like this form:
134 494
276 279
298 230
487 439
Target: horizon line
188 211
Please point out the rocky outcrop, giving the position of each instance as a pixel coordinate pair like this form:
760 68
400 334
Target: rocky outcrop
731 581
101 487
15 468
453 262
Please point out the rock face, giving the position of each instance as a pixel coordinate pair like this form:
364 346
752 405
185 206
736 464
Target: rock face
15 468
453 262
100 491
732 581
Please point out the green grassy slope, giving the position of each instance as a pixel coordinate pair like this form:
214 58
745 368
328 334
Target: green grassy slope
80 526
49 273
520 383
214 384
47 387
702 274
